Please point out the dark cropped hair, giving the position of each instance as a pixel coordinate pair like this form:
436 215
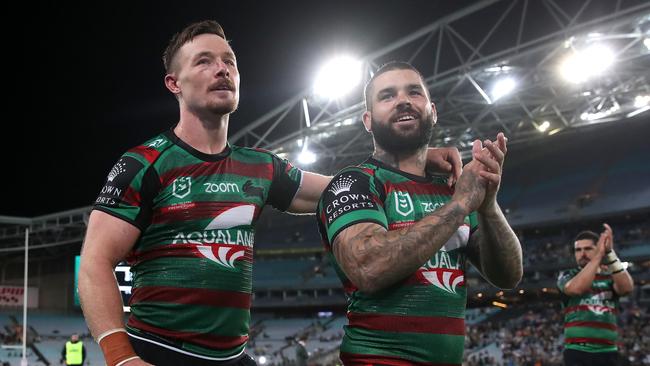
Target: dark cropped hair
390 66
587 234
186 35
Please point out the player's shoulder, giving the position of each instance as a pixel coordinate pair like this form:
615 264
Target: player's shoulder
253 153
150 150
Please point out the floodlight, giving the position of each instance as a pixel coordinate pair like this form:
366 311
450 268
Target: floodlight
503 87
337 77
544 126
582 65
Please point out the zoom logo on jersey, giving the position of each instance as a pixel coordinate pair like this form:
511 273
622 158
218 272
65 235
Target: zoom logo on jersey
182 187
118 181
220 187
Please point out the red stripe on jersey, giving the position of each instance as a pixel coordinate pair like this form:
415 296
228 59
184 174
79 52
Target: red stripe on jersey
574 308
371 360
589 340
418 188
202 339
591 324
408 324
187 250
132 197
400 225
196 211
149 153
349 287
368 171
226 166
191 296
602 277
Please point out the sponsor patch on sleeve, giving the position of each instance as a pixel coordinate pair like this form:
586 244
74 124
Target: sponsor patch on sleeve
118 181
347 193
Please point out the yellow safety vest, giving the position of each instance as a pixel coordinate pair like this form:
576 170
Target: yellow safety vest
73 353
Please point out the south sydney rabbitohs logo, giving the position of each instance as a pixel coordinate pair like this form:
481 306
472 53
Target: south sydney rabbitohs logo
403 203
182 187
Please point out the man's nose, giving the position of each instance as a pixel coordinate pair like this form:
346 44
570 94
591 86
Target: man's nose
222 69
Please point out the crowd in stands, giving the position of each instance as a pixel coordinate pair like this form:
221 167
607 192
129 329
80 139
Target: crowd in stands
535 337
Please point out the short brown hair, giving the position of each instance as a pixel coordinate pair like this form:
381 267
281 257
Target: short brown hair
390 66
588 235
186 35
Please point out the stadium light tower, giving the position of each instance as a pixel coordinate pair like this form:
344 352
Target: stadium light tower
306 157
337 77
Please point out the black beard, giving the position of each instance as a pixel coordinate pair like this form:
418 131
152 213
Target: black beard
403 144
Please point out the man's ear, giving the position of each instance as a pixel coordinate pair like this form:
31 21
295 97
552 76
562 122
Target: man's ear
367 119
171 83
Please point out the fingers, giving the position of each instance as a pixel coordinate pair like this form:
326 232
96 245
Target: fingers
495 150
608 229
502 141
492 178
486 158
457 166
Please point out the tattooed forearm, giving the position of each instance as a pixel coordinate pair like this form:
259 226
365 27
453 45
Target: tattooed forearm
374 258
496 251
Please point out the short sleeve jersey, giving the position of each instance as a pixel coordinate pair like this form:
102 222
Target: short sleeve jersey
192 264
590 319
421 318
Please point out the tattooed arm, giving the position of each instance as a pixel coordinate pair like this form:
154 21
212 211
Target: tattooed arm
373 258
495 251
494 248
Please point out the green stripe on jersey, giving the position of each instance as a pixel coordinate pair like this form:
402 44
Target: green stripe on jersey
418 347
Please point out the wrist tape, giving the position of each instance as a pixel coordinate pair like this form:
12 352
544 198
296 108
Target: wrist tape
116 347
612 262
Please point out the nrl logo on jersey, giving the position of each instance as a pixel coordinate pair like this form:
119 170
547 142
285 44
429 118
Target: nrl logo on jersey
182 187
403 203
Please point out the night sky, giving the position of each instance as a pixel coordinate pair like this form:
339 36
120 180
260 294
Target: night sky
89 85
86 81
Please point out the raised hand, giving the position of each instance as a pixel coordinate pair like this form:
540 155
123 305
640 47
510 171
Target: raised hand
491 155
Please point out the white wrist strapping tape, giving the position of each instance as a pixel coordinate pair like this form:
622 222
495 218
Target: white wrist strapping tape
109 332
127 360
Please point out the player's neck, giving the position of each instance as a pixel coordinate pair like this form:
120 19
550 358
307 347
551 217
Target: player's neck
209 136
412 163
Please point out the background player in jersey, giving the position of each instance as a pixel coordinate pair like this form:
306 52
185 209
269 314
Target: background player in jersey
591 295
182 207
400 238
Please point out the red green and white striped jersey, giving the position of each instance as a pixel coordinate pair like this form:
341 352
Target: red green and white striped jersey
421 319
192 265
590 319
